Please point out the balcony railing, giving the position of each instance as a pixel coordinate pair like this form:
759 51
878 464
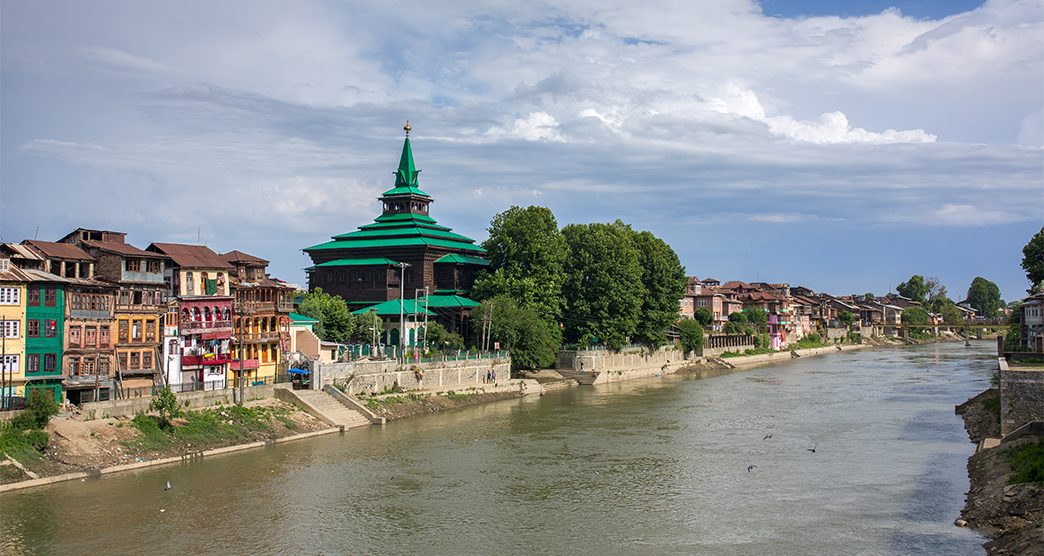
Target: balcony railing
252 307
205 360
80 380
257 337
198 326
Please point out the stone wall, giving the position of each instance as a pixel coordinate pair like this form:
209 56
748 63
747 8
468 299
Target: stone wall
1021 394
717 344
195 400
373 377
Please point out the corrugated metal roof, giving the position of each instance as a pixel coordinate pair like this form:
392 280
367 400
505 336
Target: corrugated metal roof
373 261
41 276
395 242
23 252
125 249
190 256
462 259
13 274
55 250
235 256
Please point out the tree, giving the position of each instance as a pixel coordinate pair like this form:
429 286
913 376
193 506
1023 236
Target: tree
1013 340
519 330
868 296
664 281
166 404
527 255
915 316
603 290
916 288
703 316
738 318
846 318
690 334
335 322
1033 260
365 325
984 297
951 314
756 316
441 339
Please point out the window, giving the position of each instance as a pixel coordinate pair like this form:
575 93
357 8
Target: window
150 330
133 265
146 360
153 266
74 336
11 296
12 328
135 360
124 298
34 328
51 296
123 332
137 297
90 336
103 366
190 284
33 295
87 366
74 366
104 336
9 364
122 359
50 328
136 331
32 363
50 363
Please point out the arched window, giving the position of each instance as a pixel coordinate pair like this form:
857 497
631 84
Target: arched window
196 314
207 316
393 337
226 314
190 284
411 337
185 316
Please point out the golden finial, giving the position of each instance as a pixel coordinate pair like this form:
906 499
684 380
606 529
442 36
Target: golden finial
407 128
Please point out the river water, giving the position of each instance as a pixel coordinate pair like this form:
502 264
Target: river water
656 466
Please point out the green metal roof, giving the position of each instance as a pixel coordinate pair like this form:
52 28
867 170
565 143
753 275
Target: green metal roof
461 259
418 224
406 175
404 216
395 242
451 292
392 307
443 301
410 231
359 262
302 319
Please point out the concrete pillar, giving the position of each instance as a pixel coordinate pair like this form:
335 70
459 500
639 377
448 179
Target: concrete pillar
1000 346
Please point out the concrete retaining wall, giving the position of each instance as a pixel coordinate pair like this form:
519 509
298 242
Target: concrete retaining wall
195 400
372 377
778 356
1021 395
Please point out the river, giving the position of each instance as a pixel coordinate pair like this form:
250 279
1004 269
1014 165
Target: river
656 466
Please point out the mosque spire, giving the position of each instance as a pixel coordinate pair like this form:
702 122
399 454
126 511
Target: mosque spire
406 175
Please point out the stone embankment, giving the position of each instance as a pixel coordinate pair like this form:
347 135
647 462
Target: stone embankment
1011 514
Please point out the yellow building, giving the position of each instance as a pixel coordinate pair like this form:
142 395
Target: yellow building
12 331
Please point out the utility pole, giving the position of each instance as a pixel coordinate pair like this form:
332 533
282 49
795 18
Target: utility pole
402 310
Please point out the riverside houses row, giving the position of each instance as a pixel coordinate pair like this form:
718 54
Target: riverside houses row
794 312
92 317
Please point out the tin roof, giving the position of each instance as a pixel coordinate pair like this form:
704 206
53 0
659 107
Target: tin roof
124 249
235 256
190 256
55 250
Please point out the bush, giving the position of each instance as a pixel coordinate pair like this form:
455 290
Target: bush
1027 463
38 439
166 404
691 336
39 409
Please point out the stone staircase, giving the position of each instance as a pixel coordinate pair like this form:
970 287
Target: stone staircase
324 407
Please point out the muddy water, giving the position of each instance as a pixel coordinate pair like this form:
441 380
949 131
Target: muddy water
649 467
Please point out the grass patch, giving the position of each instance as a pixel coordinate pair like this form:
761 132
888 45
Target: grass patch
205 428
22 445
1027 463
459 397
753 351
992 405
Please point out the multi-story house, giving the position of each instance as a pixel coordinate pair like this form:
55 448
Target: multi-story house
687 304
89 303
12 332
712 300
1031 330
45 333
261 312
198 357
141 293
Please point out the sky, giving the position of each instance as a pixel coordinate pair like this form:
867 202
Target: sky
843 146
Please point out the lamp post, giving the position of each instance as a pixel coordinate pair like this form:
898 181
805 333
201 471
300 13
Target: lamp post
402 308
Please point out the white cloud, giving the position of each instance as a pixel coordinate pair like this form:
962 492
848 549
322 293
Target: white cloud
957 215
538 126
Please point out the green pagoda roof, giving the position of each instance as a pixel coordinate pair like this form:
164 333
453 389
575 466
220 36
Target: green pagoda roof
406 175
395 242
360 262
461 259
442 301
298 318
392 308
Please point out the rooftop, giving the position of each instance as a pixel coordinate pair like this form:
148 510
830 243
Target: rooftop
56 250
190 256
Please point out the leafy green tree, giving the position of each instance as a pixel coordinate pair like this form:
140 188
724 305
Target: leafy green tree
984 297
690 334
704 316
757 317
664 281
365 325
936 297
868 296
916 288
915 316
951 314
335 322
846 318
738 318
1013 340
1033 260
166 404
441 339
39 408
519 330
603 289
527 254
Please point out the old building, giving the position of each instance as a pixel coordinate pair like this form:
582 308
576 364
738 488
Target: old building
197 353
365 266
1031 328
12 332
45 333
140 302
261 322
89 308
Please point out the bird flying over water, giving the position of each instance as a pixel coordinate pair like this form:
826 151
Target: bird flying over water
767 436
749 467
168 487
812 449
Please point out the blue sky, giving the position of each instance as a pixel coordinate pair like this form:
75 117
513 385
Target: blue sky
780 141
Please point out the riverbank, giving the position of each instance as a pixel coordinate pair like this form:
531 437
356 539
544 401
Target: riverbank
394 407
79 447
1012 514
